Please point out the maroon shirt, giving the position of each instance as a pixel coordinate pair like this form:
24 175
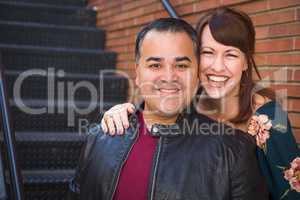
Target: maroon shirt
134 178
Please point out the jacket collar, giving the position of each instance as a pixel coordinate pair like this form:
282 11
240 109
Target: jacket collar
171 130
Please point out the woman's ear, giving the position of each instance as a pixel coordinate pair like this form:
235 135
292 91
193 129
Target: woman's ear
245 67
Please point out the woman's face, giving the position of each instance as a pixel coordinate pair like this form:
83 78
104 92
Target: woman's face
221 67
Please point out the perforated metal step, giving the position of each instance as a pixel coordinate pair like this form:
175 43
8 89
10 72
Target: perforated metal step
51 35
18 57
59 15
53 2
104 87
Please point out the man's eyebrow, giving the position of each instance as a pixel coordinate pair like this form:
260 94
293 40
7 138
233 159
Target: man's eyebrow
184 58
157 59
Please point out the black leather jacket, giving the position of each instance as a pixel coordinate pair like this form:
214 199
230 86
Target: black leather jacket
193 161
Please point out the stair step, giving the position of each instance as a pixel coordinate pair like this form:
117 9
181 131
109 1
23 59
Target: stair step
57 39
53 2
66 117
21 57
26 12
80 87
49 150
47 176
20 33
46 184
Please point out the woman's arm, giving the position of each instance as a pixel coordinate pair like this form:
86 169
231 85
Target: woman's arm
277 148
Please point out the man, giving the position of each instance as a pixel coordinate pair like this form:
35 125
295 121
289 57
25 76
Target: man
163 155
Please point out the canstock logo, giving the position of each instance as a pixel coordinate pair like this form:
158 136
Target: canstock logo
61 92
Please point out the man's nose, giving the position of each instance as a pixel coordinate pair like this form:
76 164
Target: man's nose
169 73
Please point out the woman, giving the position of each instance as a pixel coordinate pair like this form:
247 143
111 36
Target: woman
228 94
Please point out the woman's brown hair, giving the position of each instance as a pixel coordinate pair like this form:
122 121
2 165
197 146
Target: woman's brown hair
235 28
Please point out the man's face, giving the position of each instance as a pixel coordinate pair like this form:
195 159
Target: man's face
167 72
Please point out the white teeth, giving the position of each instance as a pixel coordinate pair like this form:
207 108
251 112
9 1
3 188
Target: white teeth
169 90
217 78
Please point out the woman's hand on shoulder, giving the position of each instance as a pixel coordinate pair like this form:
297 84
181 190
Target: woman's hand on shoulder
259 101
115 120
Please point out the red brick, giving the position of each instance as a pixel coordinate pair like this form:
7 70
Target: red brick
101 5
192 19
176 3
120 25
205 5
253 7
262 32
108 12
276 17
145 19
274 4
296 133
230 2
120 41
294 105
119 49
126 65
276 73
289 29
297 44
284 59
136 13
296 75
117 34
260 59
161 15
134 22
275 45
295 119
125 57
136 4
123 7
289 90
184 10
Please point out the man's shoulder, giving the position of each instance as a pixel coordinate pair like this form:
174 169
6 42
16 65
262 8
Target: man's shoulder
101 141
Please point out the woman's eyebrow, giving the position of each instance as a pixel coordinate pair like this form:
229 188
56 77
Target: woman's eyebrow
205 47
230 50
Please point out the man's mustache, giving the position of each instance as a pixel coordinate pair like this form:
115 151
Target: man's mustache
168 85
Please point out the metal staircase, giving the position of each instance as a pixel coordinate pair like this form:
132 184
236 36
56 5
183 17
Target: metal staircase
52 49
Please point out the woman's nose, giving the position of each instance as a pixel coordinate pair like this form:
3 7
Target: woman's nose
218 63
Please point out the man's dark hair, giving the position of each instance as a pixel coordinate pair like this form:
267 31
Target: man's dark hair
167 25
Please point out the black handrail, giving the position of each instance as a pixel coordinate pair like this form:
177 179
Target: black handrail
3 192
169 8
9 139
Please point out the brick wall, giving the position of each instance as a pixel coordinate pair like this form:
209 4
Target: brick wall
277 32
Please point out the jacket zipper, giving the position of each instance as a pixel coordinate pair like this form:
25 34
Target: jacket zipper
156 159
119 172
